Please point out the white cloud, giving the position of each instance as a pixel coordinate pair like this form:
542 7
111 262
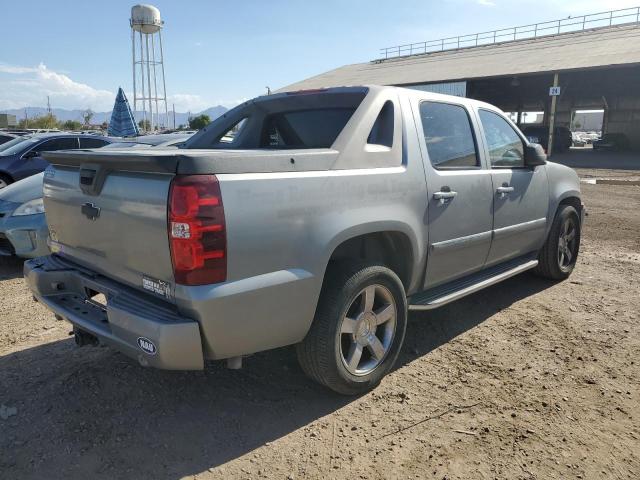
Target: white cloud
486 3
22 86
186 102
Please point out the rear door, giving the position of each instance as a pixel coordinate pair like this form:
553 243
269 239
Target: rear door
521 194
460 193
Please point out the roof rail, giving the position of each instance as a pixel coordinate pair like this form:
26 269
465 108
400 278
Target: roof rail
543 29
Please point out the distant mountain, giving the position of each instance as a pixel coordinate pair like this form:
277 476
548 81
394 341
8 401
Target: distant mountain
214 112
182 118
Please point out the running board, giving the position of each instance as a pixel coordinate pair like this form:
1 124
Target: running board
439 296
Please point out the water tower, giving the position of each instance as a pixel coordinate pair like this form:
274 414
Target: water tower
149 87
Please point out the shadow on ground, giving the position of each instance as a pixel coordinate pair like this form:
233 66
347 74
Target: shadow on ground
92 413
10 268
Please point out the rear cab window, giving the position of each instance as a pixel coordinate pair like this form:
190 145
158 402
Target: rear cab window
449 136
295 120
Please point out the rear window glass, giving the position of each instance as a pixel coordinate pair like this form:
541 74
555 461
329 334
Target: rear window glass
307 129
300 120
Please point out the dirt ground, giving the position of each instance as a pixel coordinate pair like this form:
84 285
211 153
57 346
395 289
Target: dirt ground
526 380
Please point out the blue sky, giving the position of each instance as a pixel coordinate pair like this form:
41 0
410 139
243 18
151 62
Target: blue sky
218 52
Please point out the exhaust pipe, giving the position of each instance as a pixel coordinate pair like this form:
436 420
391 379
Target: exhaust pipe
234 363
83 338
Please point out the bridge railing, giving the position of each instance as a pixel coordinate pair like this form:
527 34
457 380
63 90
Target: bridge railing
542 29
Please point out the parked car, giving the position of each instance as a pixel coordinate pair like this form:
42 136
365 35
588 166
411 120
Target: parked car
23 227
320 223
21 157
5 137
617 142
540 134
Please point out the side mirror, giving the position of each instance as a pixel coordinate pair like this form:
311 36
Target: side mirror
534 155
31 154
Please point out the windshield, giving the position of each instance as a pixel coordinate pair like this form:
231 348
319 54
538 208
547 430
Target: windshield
17 145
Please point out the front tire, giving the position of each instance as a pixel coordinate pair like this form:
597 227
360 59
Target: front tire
358 329
559 254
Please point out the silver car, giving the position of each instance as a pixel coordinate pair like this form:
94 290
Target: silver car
315 218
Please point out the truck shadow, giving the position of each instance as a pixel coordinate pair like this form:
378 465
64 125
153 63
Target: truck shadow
92 413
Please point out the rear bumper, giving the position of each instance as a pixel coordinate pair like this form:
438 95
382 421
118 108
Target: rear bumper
24 236
131 321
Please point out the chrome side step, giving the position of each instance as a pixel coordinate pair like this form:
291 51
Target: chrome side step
440 296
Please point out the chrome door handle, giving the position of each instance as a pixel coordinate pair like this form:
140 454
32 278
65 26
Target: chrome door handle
504 190
443 196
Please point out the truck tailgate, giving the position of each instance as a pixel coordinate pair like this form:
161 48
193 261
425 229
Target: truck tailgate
118 229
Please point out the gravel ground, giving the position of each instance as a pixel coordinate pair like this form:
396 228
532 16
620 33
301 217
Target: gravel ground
528 379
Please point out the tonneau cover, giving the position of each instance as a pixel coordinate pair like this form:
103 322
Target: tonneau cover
185 161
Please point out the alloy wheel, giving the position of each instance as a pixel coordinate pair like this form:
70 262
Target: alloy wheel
367 329
567 243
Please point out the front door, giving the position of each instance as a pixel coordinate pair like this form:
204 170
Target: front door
36 164
459 216
521 194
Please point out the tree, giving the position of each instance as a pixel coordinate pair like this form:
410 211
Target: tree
201 121
71 125
145 125
87 115
48 121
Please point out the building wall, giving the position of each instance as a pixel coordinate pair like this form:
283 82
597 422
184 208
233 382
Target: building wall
458 89
7 120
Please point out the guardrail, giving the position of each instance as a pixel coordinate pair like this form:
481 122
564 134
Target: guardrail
543 29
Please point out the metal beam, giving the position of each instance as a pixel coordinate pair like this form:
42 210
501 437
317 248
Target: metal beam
552 117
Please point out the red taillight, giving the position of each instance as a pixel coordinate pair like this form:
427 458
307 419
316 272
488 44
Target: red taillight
197 233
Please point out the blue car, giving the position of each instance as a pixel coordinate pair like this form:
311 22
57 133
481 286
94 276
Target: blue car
23 228
20 157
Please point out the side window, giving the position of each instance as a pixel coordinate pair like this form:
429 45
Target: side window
58 144
382 130
88 142
506 148
448 135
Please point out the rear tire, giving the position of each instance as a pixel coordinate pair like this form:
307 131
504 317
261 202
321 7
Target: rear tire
358 329
558 256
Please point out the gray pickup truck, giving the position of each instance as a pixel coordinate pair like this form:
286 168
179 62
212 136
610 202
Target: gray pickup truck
315 218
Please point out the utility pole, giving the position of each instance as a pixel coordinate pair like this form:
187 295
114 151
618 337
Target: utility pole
48 106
